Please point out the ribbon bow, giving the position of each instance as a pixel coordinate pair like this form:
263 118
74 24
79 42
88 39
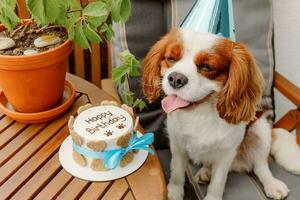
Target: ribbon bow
113 157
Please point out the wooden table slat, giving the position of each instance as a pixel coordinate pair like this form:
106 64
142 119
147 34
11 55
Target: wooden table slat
117 190
11 132
74 189
24 154
20 176
52 189
30 168
19 141
4 123
39 180
129 196
96 190
153 171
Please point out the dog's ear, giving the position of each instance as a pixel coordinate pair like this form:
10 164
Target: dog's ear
242 92
152 67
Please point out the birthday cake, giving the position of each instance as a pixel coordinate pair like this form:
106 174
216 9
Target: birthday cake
97 129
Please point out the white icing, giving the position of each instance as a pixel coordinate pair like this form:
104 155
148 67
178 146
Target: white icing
94 123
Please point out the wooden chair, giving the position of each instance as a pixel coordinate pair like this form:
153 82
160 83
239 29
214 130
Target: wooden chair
96 67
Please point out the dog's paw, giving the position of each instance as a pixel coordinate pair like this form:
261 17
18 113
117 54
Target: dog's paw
209 197
203 175
175 192
276 189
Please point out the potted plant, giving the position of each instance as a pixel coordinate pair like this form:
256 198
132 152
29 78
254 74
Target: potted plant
34 52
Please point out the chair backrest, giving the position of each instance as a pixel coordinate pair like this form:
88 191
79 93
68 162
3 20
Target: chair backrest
92 66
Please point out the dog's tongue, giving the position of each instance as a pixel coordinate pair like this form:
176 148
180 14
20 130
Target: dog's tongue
172 102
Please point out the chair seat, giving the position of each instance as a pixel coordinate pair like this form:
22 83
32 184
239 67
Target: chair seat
239 186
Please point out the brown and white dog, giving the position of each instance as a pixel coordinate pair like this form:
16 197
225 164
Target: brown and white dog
213 88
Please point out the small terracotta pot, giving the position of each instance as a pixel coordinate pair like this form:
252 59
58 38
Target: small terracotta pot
35 83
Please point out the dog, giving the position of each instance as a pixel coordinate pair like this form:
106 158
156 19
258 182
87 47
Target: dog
213 90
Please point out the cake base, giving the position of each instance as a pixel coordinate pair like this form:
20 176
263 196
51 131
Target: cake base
86 173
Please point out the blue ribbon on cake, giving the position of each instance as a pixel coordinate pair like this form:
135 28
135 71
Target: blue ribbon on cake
112 158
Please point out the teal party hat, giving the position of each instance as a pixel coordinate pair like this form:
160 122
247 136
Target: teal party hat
213 16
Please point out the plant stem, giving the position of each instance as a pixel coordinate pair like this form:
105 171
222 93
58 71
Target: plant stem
16 30
71 11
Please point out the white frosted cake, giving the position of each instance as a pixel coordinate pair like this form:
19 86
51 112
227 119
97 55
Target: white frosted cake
101 128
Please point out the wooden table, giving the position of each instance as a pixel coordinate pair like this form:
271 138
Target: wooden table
30 167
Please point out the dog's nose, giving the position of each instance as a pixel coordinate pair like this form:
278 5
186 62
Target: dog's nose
177 80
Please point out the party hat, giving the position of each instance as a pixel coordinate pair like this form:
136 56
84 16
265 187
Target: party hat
213 16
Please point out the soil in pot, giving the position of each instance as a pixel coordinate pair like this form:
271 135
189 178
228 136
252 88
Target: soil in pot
30 39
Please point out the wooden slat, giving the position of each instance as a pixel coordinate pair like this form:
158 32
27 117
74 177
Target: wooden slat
109 61
52 189
79 61
4 123
154 187
129 196
10 133
287 88
23 138
22 9
289 120
74 189
17 160
298 132
20 176
96 190
117 190
1 114
39 180
96 64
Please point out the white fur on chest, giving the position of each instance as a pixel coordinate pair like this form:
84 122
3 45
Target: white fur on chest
202 134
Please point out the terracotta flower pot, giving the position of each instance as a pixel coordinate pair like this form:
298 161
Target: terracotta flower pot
35 83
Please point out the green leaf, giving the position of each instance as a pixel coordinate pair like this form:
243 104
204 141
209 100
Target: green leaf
62 16
80 38
44 12
12 3
95 22
119 73
91 34
125 11
140 104
95 9
121 10
109 33
127 97
8 17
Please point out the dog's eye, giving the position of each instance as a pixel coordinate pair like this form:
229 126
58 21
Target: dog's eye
204 67
171 60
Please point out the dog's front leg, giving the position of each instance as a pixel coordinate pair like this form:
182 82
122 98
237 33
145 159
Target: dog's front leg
178 166
220 169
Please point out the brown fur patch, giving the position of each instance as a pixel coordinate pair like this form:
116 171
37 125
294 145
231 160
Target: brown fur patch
78 158
250 141
218 59
96 146
71 122
241 94
124 140
76 138
97 165
153 62
274 137
83 108
110 103
135 150
128 158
